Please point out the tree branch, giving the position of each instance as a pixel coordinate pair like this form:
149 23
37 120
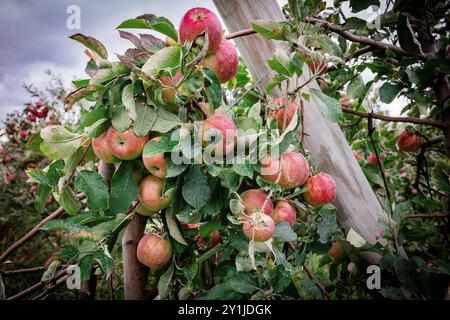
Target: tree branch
34 231
9 273
428 215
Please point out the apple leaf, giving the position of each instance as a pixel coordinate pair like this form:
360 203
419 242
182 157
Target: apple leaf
174 232
165 144
59 143
284 232
128 101
164 282
150 21
196 190
91 43
213 88
269 29
69 201
167 59
124 188
120 118
165 121
330 107
146 117
388 92
92 184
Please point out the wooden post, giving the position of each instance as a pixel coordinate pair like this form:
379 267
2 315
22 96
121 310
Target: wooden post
357 205
134 273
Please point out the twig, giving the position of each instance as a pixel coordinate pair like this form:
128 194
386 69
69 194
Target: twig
51 288
428 216
16 245
240 33
9 273
429 122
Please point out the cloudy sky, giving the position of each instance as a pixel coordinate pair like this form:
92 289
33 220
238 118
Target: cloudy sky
34 38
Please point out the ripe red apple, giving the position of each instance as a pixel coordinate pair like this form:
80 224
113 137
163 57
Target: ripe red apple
125 145
336 251
31 117
408 142
209 243
372 158
357 155
321 189
39 104
284 211
153 251
32 109
10 177
151 194
23 134
292 171
220 131
258 227
156 164
190 226
224 61
102 149
40 114
256 200
8 158
414 191
168 90
198 20
320 67
45 111
292 109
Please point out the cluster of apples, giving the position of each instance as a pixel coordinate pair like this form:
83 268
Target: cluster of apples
37 111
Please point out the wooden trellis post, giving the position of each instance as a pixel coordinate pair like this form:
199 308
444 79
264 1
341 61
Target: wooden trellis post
357 205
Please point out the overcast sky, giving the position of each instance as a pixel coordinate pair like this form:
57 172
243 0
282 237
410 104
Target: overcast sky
34 38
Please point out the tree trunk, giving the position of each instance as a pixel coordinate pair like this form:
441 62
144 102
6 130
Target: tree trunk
2 289
357 205
88 287
134 273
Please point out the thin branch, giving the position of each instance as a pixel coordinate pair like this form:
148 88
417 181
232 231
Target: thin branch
34 231
428 122
9 273
428 215
240 33
51 288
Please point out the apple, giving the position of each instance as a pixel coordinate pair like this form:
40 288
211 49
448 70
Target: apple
40 114
198 20
31 117
153 251
284 211
291 172
372 158
213 239
156 164
224 62
414 191
151 194
258 227
8 158
256 200
336 251
142 210
292 109
2 150
125 145
344 100
39 104
10 177
23 134
408 142
102 149
32 109
321 189
168 90
357 155
220 131
45 111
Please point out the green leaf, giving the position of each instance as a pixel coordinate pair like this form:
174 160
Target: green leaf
92 44
150 21
58 142
355 23
120 118
124 188
34 142
85 265
392 293
81 83
388 92
327 227
146 117
164 282
43 193
206 228
281 63
213 88
356 88
93 185
284 232
269 29
165 121
128 101
38 176
196 190
105 261
174 170
163 145
69 201
242 283
359 5
330 107
167 59
245 169
407 37
174 231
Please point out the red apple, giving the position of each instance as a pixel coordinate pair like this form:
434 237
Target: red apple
372 159
292 109
39 104
125 145
31 117
102 149
256 200
291 172
40 114
414 191
224 62
156 164
213 240
321 189
408 142
190 226
8 158
258 227
10 177
32 109
284 211
336 251
2 150
153 251
220 131
151 194
23 134
45 111
198 20
357 155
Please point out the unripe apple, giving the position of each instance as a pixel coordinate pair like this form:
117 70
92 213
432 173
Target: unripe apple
198 20
284 211
256 200
291 172
336 251
321 189
142 210
168 90
151 195
408 142
156 164
125 145
220 131
258 227
292 109
102 149
357 155
224 61
153 251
